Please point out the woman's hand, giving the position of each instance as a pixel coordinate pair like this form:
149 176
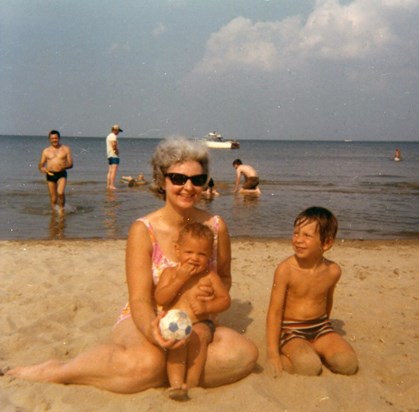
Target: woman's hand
158 338
205 290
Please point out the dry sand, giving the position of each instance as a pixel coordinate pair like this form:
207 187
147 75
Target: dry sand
58 298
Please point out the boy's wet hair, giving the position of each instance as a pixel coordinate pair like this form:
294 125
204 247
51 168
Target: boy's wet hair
198 231
327 224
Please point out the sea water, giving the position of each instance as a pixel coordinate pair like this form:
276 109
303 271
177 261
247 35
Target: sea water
373 196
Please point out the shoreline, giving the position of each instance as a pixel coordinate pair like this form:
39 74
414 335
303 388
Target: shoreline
61 297
234 239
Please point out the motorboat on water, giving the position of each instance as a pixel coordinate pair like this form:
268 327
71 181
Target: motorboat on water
215 140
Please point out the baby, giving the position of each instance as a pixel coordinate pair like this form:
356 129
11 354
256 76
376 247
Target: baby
178 288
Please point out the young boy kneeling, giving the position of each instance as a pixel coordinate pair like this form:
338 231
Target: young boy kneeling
298 330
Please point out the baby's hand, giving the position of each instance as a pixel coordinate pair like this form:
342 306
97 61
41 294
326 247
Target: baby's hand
187 270
197 307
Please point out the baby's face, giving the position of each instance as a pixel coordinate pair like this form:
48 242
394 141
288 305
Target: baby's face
195 251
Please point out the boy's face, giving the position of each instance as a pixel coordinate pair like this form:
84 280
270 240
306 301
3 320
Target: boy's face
306 240
195 251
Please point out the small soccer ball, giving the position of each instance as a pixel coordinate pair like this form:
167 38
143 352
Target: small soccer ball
176 324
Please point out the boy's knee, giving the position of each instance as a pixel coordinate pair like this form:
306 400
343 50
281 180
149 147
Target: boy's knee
345 363
307 364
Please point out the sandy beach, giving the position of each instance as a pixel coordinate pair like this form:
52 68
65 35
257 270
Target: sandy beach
58 298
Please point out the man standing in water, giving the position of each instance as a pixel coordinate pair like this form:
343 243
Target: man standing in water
55 160
113 155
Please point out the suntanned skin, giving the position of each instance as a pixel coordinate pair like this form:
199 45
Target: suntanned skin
135 357
303 289
56 158
246 171
113 169
178 288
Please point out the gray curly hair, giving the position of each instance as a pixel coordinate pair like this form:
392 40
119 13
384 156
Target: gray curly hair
175 150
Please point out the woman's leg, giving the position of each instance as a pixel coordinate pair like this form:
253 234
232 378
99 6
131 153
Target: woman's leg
231 357
128 364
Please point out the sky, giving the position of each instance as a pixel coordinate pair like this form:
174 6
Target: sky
249 69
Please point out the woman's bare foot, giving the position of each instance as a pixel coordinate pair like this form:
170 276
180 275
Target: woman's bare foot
43 372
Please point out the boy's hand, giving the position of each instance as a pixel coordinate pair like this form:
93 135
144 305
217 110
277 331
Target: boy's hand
274 367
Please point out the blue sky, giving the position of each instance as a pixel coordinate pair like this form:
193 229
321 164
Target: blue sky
251 69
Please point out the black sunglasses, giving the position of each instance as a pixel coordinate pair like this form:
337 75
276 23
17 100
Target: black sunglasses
179 179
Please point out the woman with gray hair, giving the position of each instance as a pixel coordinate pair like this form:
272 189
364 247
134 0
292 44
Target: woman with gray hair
136 357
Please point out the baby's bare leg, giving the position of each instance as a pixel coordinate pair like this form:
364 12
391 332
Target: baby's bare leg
197 353
337 353
128 364
176 366
298 356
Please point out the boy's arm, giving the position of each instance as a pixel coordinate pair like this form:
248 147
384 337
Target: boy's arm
222 300
335 271
274 318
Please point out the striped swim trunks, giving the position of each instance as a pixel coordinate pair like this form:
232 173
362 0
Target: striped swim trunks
306 329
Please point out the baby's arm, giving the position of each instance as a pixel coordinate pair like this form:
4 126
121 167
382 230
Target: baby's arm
219 303
170 283
274 318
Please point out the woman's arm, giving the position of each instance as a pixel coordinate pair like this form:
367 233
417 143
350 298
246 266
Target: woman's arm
274 319
224 255
139 279
222 300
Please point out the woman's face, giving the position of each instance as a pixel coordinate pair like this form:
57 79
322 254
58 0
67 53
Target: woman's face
187 194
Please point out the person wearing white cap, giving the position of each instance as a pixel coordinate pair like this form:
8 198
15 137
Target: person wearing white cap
113 155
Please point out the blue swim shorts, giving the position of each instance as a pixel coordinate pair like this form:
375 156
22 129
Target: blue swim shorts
113 160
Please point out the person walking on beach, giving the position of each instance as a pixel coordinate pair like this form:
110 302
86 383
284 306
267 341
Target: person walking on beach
55 160
177 289
112 151
251 179
299 333
134 359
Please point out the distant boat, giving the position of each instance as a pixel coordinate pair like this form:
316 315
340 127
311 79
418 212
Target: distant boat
215 140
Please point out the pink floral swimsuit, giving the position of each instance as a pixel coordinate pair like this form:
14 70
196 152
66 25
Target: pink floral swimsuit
161 262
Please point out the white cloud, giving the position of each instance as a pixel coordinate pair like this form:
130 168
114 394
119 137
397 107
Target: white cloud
115 49
159 30
331 32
